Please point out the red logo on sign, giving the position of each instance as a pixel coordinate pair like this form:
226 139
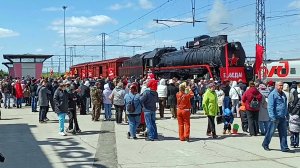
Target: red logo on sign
276 70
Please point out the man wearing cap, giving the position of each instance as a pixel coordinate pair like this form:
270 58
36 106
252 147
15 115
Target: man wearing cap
73 101
61 106
149 98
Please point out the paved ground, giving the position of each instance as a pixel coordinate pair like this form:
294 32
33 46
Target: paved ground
28 144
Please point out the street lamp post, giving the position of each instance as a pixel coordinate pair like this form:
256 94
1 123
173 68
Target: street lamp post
64 8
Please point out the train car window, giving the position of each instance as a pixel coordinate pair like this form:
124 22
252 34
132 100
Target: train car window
100 70
283 71
293 70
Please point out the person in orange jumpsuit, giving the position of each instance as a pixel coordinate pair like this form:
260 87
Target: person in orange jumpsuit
183 111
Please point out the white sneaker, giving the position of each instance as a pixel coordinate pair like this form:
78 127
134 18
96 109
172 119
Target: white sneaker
62 133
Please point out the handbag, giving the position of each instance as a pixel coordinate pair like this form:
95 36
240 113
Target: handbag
220 119
238 94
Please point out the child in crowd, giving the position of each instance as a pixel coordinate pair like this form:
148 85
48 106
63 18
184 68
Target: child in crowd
228 120
244 118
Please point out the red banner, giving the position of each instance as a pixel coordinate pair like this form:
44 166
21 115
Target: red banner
259 57
111 74
83 73
90 74
234 74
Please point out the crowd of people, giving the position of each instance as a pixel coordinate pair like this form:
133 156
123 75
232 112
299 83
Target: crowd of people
261 106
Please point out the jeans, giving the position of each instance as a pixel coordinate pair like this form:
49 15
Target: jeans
226 102
194 105
107 109
162 104
235 106
82 106
61 120
73 119
19 102
134 122
263 126
33 104
294 139
42 113
7 99
280 124
200 102
119 112
88 101
151 125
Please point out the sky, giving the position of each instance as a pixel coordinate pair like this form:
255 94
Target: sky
36 26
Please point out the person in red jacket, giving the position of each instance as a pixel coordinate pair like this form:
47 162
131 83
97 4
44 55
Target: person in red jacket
252 99
183 111
19 93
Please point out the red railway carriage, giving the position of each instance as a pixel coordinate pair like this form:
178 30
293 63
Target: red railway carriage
99 68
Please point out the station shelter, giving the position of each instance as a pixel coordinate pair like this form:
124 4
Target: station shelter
25 65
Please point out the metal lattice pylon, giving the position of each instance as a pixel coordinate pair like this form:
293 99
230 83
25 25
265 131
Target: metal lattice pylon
261 24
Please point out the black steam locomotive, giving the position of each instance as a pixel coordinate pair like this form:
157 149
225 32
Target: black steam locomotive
205 56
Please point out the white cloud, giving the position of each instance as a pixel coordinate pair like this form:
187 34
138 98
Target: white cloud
145 4
218 14
119 6
52 9
82 21
7 33
133 34
71 30
295 4
38 50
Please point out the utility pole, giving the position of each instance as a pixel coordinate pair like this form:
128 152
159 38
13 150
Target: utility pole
59 65
103 45
71 55
64 8
52 62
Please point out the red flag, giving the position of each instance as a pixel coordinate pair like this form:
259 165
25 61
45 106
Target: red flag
226 59
259 57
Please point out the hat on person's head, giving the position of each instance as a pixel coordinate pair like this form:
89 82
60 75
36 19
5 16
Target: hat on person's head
262 86
152 84
271 83
87 83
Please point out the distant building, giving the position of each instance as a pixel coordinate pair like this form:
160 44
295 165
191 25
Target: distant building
25 65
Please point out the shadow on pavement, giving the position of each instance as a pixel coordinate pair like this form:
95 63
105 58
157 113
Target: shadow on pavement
10 118
70 152
220 137
20 148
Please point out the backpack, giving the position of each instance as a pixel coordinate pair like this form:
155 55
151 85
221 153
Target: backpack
254 103
130 106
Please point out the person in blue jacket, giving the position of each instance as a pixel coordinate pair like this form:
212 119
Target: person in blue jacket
277 109
134 117
149 98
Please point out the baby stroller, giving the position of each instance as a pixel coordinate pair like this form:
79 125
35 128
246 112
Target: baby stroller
142 127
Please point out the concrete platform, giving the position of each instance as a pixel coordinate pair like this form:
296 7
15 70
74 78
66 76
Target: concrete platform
28 144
